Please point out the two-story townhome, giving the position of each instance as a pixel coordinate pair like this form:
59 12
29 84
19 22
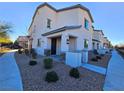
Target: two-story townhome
106 42
66 29
97 40
23 41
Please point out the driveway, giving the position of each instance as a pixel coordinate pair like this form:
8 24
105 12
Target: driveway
10 79
115 73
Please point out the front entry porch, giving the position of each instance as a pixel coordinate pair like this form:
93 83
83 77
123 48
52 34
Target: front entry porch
61 43
56 45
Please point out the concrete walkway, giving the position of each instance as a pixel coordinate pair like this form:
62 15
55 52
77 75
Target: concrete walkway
115 73
10 79
94 68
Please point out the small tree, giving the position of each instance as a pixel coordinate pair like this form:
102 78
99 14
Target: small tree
5 28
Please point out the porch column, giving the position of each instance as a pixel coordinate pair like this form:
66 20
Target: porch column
64 45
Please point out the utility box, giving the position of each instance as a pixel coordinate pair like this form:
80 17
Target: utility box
85 56
73 59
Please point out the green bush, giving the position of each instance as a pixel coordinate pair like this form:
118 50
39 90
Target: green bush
98 57
34 55
32 62
62 55
102 55
74 73
95 52
26 51
19 51
47 52
106 52
48 63
32 50
94 59
51 77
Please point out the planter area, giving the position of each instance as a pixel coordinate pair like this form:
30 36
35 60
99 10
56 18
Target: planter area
121 52
34 77
99 60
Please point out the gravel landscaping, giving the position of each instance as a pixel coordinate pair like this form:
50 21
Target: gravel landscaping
33 77
121 52
103 62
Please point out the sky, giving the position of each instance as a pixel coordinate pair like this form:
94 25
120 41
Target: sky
108 17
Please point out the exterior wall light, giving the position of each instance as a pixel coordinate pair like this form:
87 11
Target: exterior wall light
67 41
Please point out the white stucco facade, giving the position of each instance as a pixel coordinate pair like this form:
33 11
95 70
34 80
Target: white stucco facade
98 39
70 38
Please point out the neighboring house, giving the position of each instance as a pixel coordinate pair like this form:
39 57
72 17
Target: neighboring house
67 29
97 40
106 43
23 41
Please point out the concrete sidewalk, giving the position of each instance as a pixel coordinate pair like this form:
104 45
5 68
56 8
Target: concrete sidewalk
94 68
10 79
115 73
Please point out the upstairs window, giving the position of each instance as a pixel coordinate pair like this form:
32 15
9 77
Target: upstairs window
86 24
38 42
48 23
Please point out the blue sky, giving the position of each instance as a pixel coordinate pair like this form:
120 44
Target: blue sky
107 16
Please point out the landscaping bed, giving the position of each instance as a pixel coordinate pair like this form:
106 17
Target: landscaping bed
33 77
103 62
121 52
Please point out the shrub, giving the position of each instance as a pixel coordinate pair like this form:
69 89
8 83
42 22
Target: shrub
102 55
32 50
94 59
48 62
19 51
98 57
32 62
51 77
47 52
111 50
34 55
106 52
95 52
62 55
26 51
74 73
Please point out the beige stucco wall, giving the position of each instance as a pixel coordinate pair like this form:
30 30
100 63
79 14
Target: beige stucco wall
59 19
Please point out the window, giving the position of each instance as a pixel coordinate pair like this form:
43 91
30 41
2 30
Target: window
85 43
97 45
93 45
38 43
48 23
86 24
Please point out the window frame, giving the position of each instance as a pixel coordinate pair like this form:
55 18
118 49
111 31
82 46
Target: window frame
49 23
86 24
38 42
86 43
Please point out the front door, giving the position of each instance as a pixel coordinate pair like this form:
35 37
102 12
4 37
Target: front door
53 46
